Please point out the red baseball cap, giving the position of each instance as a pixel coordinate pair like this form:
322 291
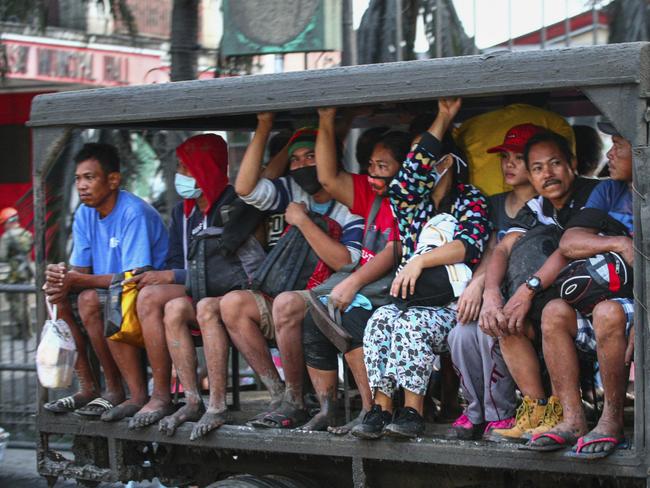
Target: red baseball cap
517 137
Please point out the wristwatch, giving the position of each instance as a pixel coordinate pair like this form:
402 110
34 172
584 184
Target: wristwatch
534 284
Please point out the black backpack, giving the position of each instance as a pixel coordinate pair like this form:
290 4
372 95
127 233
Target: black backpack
584 283
225 255
292 261
528 254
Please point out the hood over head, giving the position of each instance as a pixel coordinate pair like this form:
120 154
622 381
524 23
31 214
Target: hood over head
206 158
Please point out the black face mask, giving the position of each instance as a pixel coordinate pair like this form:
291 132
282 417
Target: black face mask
307 179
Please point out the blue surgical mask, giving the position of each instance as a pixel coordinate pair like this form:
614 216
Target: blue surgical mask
186 187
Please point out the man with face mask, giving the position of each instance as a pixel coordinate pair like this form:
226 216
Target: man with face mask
252 318
361 194
202 182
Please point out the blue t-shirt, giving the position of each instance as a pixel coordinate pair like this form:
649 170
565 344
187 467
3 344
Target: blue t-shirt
131 236
615 198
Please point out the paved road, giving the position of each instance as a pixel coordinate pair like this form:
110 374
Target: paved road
19 470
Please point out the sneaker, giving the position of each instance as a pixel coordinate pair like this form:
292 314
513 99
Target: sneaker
408 423
372 426
529 415
464 429
504 424
553 415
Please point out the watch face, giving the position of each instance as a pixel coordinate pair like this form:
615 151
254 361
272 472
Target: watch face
534 282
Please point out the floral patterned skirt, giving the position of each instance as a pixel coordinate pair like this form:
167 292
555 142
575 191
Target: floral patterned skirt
400 346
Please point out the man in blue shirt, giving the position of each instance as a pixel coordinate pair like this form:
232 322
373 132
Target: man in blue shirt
114 231
604 332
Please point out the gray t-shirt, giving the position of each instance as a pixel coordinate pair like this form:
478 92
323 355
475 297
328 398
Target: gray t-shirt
498 215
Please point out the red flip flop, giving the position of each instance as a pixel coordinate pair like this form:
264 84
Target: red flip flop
595 438
560 441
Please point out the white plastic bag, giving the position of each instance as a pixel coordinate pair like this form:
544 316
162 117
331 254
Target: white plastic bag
57 352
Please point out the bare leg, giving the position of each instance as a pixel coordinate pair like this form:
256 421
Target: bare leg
354 359
215 346
179 313
558 333
288 313
150 306
91 317
414 401
241 317
384 401
88 386
325 385
609 327
521 359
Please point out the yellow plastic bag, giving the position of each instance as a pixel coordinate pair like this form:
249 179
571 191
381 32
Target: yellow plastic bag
476 135
121 318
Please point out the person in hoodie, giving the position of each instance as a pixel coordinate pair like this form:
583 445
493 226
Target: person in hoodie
202 181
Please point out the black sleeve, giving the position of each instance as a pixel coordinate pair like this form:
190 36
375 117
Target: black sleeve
175 258
594 218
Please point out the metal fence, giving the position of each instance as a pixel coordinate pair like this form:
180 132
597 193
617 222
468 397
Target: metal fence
18 382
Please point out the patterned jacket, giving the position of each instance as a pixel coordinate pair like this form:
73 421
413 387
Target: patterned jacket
410 196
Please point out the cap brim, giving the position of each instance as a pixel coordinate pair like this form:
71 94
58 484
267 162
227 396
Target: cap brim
607 128
505 148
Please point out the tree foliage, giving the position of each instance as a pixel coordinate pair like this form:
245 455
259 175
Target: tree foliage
377 32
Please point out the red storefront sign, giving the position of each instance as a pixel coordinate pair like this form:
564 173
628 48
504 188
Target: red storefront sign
38 58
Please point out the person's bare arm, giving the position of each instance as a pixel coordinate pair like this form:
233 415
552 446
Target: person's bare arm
450 253
578 242
520 302
148 278
498 263
383 262
59 281
447 110
278 164
250 169
491 318
469 302
329 250
337 183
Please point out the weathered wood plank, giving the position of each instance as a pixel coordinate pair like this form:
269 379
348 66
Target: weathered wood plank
390 82
426 450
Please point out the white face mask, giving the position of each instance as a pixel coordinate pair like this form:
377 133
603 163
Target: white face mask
186 187
456 160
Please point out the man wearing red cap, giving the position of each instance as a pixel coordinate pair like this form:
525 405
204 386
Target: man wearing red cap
485 380
15 245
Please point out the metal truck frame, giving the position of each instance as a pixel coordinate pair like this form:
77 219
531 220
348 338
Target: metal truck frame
612 81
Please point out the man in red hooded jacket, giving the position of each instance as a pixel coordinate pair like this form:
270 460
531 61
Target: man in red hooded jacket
202 181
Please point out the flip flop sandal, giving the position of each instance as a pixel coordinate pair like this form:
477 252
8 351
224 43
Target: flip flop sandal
560 441
64 405
328 321
258 419
95 408
615 443
283 421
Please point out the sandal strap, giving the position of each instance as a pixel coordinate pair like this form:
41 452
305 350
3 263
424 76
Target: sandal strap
67 402
582 443
100 402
